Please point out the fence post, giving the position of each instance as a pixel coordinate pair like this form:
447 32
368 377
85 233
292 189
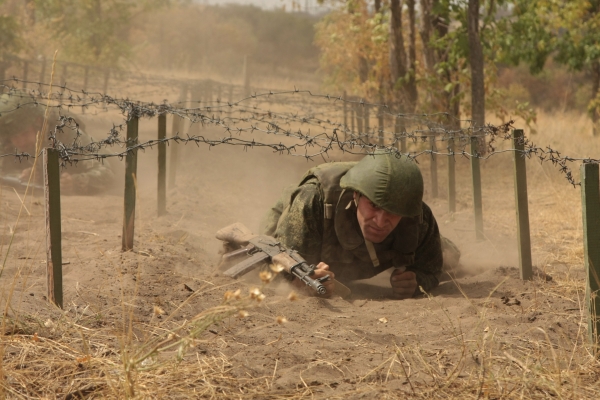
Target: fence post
522 206
196 103
106 78
219 100
433 168
53 226
130 183
590 207
64 75
366 117
345 117
86 74
400 132
353 118
25 73
208 94
162 165
476 180
2 75
246 75
451 176
177 126
43 70
359 119
380 121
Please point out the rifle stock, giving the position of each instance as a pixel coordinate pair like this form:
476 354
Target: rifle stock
235 233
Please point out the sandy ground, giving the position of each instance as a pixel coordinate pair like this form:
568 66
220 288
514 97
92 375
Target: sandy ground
368 346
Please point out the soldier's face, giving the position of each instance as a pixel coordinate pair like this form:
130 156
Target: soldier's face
375 223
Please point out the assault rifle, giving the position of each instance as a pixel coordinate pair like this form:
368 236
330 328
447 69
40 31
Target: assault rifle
259 248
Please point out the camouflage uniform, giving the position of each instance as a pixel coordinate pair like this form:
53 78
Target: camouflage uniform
18 116
318 219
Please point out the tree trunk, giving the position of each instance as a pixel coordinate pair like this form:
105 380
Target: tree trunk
397 51
426 30
595 86
476 62
403 66
377 5
411 85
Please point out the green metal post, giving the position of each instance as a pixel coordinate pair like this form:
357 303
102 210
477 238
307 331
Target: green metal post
162 165
476 181
522 207
53 226
130 184
590 206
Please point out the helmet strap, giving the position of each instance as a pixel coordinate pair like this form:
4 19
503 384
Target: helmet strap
372 253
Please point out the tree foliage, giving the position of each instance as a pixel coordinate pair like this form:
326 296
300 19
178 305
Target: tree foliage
10 41
567 30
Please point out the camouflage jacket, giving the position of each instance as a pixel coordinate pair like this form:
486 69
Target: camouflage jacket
323 230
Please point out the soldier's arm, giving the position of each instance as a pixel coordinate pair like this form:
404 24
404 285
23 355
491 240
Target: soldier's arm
300 226
428 258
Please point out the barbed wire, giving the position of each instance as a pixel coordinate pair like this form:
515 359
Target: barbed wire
269 116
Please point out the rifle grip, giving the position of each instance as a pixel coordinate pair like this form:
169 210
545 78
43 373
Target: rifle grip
235 233
285 261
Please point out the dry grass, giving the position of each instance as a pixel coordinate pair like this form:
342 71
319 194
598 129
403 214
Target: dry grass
82 352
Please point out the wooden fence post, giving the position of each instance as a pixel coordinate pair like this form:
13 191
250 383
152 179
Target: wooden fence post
53 226
106 78
2 75
522 206
400 133
162 165
246 77
359 119
345 117
130 183
208 93
433 168
86 75
366 118
476 181
353 117
196 100
173 156
380 121
177 127
590 206
63 79
43 70
451 176
25 73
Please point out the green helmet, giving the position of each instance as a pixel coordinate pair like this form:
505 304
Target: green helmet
391 182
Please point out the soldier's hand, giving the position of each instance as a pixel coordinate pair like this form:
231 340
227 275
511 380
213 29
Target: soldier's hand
321 270
404 283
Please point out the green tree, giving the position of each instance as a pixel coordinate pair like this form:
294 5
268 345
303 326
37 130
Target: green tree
568 30
93 31
10 40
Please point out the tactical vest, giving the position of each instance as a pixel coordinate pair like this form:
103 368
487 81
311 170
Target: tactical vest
343 246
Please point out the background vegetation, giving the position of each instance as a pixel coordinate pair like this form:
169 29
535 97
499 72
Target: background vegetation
415 54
